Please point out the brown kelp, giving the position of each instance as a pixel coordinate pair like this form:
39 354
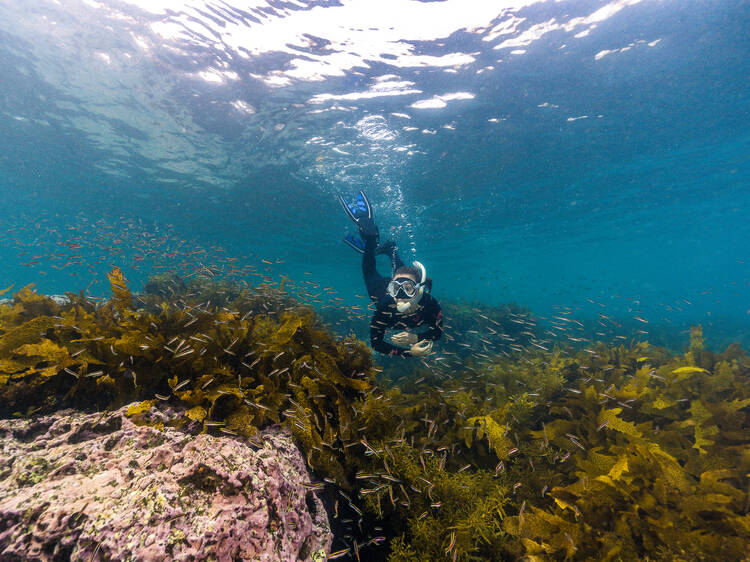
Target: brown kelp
611 453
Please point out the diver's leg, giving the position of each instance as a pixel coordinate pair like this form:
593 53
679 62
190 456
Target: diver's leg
375 283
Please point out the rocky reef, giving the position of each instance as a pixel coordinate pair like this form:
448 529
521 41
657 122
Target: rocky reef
77 486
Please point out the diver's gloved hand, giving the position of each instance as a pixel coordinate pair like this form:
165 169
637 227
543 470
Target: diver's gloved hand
367 228
404 339
420 349
387 248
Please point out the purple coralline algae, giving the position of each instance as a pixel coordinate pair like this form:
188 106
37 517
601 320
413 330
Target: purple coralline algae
99 487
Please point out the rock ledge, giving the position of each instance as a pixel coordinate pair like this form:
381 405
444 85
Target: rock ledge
96 486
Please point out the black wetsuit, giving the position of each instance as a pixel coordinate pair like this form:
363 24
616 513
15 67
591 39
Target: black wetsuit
386 316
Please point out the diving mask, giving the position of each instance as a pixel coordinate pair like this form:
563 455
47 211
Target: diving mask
402 288
405 289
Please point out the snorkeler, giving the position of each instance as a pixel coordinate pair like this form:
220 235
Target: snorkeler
403 300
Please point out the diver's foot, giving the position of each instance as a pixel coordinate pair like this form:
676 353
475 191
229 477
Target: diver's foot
367 228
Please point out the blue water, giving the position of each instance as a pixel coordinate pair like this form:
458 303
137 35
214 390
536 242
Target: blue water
589 155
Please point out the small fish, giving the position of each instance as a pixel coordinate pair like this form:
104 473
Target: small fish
339 553
302 427
161 397
356 509
370 450
452 542
377 540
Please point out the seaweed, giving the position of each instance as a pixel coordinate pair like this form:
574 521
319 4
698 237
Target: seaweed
607 453
604 453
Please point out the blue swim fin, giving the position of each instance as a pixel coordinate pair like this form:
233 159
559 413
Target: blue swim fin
355 242
358 209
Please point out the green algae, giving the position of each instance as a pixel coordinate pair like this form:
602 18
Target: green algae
612 453
34 471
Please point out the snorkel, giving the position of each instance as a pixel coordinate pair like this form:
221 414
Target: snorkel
413 302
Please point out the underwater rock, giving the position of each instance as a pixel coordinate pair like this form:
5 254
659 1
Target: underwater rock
97 486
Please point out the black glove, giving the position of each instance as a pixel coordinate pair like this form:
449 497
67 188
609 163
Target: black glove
386 248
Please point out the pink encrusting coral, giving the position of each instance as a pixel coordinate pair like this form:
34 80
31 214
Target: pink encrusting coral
97 486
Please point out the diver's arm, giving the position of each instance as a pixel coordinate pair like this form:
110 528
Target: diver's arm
378 324
435 331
